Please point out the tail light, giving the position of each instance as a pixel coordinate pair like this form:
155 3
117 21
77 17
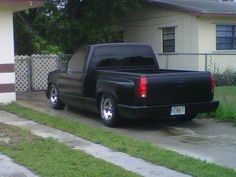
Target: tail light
142 87
212 83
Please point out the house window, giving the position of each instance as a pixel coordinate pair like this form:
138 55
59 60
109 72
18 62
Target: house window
226 37
169 39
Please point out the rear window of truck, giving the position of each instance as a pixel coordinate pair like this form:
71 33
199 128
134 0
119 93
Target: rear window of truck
123 56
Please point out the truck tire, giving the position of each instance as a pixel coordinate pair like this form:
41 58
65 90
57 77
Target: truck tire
108 111
54 99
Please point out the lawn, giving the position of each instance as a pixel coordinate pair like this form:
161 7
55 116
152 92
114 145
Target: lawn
140 149
48 158
227 108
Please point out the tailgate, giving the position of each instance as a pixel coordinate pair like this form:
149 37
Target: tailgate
178 88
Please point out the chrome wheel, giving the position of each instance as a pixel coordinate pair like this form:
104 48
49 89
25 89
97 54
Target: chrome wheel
54 96
107 109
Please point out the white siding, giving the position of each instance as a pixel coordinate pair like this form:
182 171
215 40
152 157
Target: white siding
8 78
6 98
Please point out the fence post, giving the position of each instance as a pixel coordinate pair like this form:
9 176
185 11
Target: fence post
30 80
206 62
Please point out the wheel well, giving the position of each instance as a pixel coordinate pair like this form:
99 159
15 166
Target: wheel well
49 85
48 89
99 95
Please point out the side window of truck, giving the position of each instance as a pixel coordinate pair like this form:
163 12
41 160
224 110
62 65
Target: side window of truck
78 60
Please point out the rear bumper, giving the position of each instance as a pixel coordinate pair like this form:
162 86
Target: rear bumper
165 110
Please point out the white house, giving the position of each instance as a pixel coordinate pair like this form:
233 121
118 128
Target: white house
185 26
7 75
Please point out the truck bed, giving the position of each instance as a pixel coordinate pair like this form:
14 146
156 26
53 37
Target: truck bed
169 86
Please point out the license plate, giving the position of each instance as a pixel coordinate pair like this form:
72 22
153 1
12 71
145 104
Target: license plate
177 110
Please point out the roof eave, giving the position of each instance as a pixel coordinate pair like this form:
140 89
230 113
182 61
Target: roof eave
191 11
215 14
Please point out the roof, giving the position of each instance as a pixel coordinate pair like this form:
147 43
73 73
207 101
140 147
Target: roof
199 7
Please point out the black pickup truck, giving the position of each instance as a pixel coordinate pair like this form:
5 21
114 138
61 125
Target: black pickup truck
125 80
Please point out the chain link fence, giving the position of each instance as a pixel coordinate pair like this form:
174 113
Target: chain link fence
32 71
222 65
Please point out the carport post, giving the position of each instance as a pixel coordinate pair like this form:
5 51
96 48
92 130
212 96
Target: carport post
7 74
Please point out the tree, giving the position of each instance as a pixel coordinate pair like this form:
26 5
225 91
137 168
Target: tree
63 25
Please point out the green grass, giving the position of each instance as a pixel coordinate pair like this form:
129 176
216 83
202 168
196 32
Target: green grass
48 158
140 149
227 108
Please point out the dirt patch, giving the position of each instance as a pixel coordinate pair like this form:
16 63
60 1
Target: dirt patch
12 135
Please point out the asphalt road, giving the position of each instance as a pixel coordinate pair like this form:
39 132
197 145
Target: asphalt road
205 139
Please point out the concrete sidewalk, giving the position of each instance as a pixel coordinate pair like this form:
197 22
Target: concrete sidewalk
123 160
10 169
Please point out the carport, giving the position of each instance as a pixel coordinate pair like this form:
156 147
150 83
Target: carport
7 74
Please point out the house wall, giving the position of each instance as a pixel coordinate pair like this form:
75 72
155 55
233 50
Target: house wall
207 44
7 75
146 27
194 34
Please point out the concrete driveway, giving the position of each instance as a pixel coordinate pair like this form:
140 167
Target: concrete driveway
205 139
